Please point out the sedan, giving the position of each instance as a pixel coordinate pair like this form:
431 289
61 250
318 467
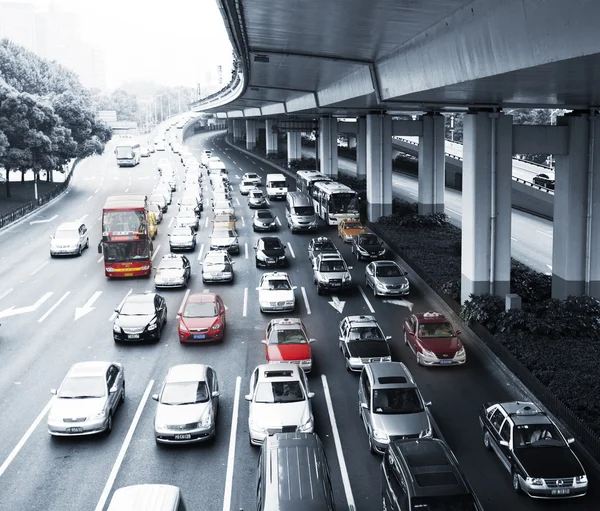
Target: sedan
544 180
276 293
217 266
252 178
362 342
224 221
347 229
71 238
287 340
187 219
225 239
256 199
386 278
270 252
188 403
202 318
182 238
368 246
320 245
246 186
191 202
263 220
140 317
173 271
87 399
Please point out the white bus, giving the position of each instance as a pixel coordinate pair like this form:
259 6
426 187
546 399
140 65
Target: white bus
334 201
305 180
128 154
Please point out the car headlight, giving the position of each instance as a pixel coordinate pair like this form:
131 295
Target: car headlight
100 415
428 354
110 270
361 250
354 360
145 268
581 479
159 425
323 278
182 327
460 353
306 362
534 481
289 303
205 422
426 433
257 427
380 436
261 256
272 224
347 278
386 359
216 327
152 326
307 426
117 329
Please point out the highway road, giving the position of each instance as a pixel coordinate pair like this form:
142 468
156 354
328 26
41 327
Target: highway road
531 236
40 339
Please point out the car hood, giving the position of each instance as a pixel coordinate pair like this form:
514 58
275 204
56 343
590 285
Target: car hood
63 241
276 296
223 241
77 408
257 200
276 415
264 221
224 225
352 232
273 252
392 281
173 273
441 344
187 238
187 220
216 268
286 352
335 274
199 322
372 249
133 321
549 462
180 414
401 424
368 349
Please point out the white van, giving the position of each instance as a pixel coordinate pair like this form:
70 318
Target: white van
300 212
276 186
147 497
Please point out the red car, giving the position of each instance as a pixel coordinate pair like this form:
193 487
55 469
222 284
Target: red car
288 341
202 318
433 340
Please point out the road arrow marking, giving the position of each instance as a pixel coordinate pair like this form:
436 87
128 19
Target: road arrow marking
11 311
336 304
401 302
43 221
82 311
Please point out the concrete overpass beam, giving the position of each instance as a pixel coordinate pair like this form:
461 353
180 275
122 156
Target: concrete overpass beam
361 148
271 136
432 160
486 199
379 165
238 130
294 146
251 134
328 155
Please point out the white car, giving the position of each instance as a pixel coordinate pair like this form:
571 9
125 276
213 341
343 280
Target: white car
187 219
205 157
276 293
69 239
253 178
182 238
246 186
223 207
279 402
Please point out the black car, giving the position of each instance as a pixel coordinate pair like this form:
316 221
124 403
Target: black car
140 317
533 450
320 245
368 246
263 220
544 180
257 199
270 252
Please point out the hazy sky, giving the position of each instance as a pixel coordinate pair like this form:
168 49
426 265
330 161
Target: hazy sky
169 41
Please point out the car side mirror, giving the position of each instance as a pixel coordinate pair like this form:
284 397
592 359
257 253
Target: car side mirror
264 341
117 311
570 441
310 341
503 443
178 315
350 267
100 247
311 395
155 397
169 234
294 287
53 392
428 404
113 389
364 406
405 273
458 332
216 393
388 337
248 397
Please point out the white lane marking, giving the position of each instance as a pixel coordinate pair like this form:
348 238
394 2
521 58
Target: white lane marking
43 221
89 198
337 304
277 220
206 222
453 211
544 233
237 202
366 300
171 221
25 437
549 266
232 439
124 447
291 250
114 314
35 271
126 189
338 446
87 307
261 168
305 300
246 250
245 311
185 297
234 162
205 290
514 239
243 222
241 169
100 259
155 252
51 309
201 250
6 293
83 218
97 190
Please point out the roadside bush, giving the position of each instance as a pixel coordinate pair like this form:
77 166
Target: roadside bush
457 248
304 164
452 289
483 309
347 152
531 285
352 182
400 207
434 219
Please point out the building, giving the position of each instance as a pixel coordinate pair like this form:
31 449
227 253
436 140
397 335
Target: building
18 23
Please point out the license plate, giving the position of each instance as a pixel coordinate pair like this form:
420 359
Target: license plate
277 308
134 336
270 261
75 430
445 361
199 336
188 436
128 275
561 491
334 285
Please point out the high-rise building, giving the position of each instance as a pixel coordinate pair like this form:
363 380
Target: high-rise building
18 23
220 76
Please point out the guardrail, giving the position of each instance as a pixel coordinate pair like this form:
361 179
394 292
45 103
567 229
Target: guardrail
533 185
230 89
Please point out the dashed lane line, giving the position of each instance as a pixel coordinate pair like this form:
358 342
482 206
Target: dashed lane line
171 221
185 297
155 252
243 222
114 314
40 268
291 250
246 250
306 304
453 211
277 220
245 311
232 440
366 300
206 222
201 250
51 309
6 293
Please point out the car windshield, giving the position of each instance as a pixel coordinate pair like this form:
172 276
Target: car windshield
365 333
276 285
82 387
222 205
288 336
396 401
251 176
264 214
444 503
171 264
187 215
352 225
135 308
304 210
370 241
279 392
122 251
67 234
323 246
388 271
439 329
256 195
247 183
200 310
215 259
277 184
332 266
223 218
184 393
181 231
223 233
537 435
270 244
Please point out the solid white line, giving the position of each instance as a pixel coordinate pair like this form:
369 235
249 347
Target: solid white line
261 168
452 211
277 220
205 290
51 309
6 293
234 162
246 250
126 189
35 271
366 299
245 302
114 314
305 300
237 202
544 233
185 297
101 257
171 221
549 266
232 438
97 190
206 222
155 252
243 222
338 446
201 250
291 250
514 239
83 218
88 199
25 437
124 447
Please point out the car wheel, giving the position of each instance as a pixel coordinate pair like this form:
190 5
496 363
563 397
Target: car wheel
486 440
123 393
515 482
87 243
108 429
383 504
374 291
418 359
347 365
319 290
79 251
371 445
256 263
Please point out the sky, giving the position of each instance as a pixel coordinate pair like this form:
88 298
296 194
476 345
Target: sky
171 42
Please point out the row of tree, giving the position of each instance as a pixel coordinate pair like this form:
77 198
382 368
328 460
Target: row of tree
47 117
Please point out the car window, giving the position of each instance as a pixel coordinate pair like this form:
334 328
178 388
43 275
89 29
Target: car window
111 376
505 431
276 285
437 329
264 214
279 392
171 264
332 266
83 387
200 310
367 385
496 419
365 332
287 336
184 393
537 435
396 401
134 308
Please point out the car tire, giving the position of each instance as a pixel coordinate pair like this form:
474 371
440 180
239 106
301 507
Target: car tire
371 446
108 429
515 482
417 358
123 394
347 365
87 243
79 251
256 263
374 292
319 290
486 441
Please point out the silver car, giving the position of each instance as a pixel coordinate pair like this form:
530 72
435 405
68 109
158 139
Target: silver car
182 238
71 238
256 199
279 402
188 219
217 266
87 399
187 405
174 270
386 278
330 273
225 239
391 405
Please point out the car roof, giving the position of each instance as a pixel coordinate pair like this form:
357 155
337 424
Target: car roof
391 375
522 412
202 297
385 263
278 372
367 321
257 211
92 368
186 372
171 257
286 324
430 317
68 226
269 238
140 297
275 275
331 257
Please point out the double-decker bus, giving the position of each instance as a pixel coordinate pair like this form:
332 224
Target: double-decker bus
334 201
126 244
306 179
128 154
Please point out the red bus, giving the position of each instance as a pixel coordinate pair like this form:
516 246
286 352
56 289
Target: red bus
126 244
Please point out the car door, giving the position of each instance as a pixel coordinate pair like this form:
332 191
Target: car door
186 268
365 398
111 379
370 274
221 310
343 336
505 446
159 310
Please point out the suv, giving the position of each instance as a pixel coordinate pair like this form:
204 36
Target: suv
70 239
533 450
391 405
362 342
424 474
331 273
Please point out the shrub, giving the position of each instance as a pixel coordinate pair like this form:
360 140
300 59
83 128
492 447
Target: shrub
434 219
304 164
456 248
352 182
531 285
347 152
400 207
452 289
483 309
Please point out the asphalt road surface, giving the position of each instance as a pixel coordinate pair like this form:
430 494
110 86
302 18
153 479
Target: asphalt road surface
40 339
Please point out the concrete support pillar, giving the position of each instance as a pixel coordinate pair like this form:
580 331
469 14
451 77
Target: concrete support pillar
361 148
328 156
229 127
238 131
379 165
271 136
432 167
486 199
294 146
351 141
251 134
576 240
